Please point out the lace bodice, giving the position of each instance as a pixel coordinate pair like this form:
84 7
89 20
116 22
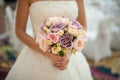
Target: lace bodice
41 10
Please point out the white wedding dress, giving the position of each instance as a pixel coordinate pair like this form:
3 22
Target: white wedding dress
31 65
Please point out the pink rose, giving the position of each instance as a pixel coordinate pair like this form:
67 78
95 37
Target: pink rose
83 37
78 44
54 37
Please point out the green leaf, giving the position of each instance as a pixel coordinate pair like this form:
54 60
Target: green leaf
62 53
74 37
48 27
53 45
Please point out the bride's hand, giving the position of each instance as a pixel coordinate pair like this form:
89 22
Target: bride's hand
59 62
62 64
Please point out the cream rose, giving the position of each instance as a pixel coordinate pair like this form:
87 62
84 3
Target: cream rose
43 44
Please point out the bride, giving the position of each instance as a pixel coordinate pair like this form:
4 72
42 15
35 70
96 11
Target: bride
33 63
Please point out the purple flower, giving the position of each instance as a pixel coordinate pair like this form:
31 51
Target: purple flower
76 23
66 40
57 26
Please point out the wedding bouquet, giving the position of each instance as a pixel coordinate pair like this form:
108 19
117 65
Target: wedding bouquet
60 36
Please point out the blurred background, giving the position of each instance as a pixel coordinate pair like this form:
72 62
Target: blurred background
102 49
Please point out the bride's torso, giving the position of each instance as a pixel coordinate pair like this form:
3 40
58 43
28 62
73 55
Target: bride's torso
41 10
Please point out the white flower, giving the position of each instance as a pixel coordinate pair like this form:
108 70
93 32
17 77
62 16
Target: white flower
60 32
53 19
73 31
64 20
48 23
54 50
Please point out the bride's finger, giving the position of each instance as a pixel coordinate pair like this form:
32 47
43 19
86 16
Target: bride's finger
59 64
62 67
62 62
57 57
